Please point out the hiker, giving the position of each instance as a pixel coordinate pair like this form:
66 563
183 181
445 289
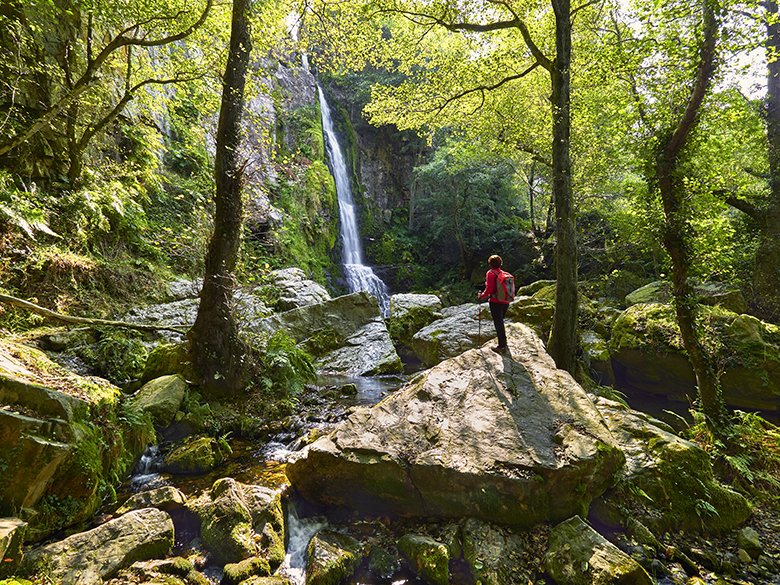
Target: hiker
500 290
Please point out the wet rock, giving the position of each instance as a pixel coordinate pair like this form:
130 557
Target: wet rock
161 398
89 557
708 293
428 558
235 573
647 355
275 580
239 521
347 335
508 439
295 290
164 498
748 539
401 304
667 480
578 555
332 558
11 537
194 455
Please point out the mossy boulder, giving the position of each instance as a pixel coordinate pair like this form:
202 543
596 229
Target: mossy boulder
578 555
708 293
404 325
240 521
400 304
235 573
64 439
667 482
508 439
89 557
161 398
168 359
11 538
648 355
194 455
429 559
596 353
332 558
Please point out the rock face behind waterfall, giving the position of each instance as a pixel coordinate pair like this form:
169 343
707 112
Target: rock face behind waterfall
511 440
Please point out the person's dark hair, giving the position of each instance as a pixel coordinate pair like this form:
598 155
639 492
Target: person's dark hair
495 261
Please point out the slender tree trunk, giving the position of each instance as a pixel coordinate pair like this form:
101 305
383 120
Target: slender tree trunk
216 350
563 336
677 225
531 196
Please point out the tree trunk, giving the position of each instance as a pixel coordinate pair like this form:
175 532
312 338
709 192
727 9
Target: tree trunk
531 196
766 277
563 336
216 350
677 225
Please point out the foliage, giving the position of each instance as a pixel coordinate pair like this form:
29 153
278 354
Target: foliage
747 456
118 355
281 368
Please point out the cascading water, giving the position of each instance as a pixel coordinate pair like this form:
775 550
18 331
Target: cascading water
300 532
359 276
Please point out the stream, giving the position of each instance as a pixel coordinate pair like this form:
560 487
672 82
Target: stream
263 463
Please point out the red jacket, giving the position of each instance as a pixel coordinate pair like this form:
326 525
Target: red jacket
491 281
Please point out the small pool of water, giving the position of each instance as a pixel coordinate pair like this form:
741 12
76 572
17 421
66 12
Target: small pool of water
370 389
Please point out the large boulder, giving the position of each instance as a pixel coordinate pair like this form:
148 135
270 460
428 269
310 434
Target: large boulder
347 335
165 498
578 555
53 448
508 439
293 290
194 455
648 355
161 398
239 521
667 482
427 557
88 557
708 293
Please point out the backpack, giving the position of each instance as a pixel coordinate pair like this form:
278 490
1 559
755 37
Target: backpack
505 287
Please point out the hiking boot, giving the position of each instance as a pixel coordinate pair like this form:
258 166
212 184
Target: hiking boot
499 350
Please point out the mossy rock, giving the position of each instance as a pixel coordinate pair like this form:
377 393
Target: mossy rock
161 398
429 559
667 482
648 355
578 555
11 538
530 289
332 558
167 359
235 573
383 563
403 327
194 455
708 293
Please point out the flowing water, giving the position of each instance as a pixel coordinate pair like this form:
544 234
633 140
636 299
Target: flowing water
299 533
360 277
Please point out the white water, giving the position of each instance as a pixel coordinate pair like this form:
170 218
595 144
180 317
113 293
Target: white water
359 276
300 532
146 473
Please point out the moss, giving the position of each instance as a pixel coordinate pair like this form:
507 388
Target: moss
322 341
166 359
238 572
195 455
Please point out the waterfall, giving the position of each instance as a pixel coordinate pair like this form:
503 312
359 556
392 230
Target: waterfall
359 276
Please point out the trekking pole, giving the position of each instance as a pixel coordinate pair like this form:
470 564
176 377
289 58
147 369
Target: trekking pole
479 320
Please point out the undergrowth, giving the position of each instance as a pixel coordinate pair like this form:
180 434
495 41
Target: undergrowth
748 455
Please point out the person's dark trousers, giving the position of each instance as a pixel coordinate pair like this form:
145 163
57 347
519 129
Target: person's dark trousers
498 311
